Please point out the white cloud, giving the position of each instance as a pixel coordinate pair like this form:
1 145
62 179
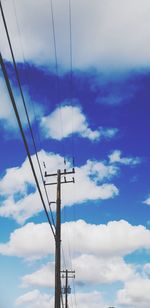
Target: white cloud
43 277
72 121
35 299
115 157
147 268
92 183
7 115
103 33
22 244
135 294
147 201
103 270
116 239
16 180
90 299
28 206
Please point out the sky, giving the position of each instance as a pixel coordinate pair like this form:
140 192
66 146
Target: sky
84 68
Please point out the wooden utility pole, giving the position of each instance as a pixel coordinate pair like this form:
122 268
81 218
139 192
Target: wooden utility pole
59 174
58 243
66 288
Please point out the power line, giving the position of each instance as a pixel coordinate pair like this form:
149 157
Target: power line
23 137
24 104
54 37
56 66
71 70
74 291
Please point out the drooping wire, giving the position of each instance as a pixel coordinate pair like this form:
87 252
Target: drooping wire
71 71
35 148
74 291
24 138
54 37
56 69
62 301
25 107
24 60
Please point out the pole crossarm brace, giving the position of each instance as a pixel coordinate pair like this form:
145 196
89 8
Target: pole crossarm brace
65 181
61 173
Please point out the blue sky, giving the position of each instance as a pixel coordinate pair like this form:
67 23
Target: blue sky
98 117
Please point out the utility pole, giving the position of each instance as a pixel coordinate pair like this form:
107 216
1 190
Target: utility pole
59 174
67 289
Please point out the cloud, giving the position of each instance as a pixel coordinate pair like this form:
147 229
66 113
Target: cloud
22 244
36 299
115 157
116 239
147 268
72 121
103 33
7 115
22 210
18 189
135 294
103 270
147 201
43 277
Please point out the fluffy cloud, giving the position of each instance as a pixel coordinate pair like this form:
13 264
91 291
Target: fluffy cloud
103 270
116 239
147 201
22 244
135 294
147 268
115 157
43 277
78 125
103 246
18 189
7 115
96 270
103 33
35 299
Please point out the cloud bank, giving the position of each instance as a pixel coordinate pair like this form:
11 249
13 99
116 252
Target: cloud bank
103 33
117 238
18 190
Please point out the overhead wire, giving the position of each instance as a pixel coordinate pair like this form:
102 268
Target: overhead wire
26 111
74 291
71 97
35 148
24 60
56 69
23 137
71 92
71 71
24 103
